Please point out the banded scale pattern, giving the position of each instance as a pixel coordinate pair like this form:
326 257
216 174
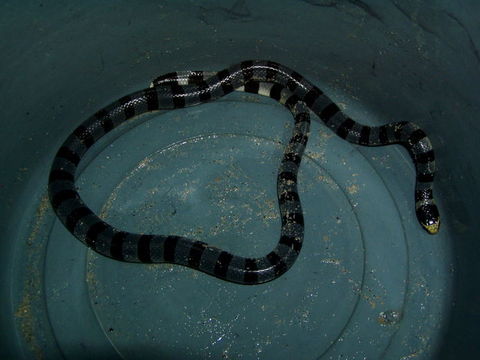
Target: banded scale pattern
121 245
177 90
404 133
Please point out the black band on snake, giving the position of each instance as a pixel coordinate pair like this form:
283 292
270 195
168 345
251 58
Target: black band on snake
182 89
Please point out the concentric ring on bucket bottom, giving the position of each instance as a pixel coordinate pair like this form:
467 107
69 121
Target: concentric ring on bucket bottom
330 260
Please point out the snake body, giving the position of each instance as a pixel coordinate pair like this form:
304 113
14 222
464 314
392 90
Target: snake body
182 89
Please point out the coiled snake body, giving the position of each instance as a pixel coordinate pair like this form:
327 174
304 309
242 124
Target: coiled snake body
177 90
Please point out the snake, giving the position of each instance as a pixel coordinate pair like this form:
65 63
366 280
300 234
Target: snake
188 88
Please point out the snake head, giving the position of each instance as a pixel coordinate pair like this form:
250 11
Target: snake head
429 218
432 227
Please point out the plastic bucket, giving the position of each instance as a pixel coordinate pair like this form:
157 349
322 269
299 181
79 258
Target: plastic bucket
369 282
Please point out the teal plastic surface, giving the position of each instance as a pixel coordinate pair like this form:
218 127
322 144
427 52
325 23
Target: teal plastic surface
369 282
